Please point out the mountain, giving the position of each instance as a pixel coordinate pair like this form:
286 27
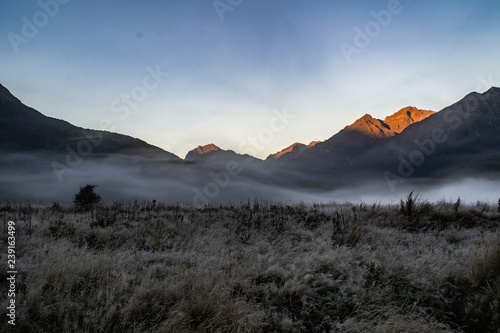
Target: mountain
366 126
291 151
47 159
370 127
462 135
341 151
459 140
24 129
201 150
405 117
214 157
391 125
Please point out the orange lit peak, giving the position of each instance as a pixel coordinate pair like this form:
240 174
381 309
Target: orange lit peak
200 150
391 125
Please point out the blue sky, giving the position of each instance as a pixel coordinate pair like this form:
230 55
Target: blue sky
230 72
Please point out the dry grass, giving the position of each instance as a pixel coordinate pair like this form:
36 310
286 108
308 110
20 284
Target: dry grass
257 268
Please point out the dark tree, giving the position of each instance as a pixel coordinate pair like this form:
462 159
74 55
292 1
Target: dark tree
87 198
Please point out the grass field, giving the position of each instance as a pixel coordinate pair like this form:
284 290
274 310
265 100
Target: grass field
257 267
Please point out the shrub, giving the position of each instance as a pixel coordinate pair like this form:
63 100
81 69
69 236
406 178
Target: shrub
87 198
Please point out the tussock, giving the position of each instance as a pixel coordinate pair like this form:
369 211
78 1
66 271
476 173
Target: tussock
414 267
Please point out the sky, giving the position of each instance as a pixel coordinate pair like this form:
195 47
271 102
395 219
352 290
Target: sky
253 76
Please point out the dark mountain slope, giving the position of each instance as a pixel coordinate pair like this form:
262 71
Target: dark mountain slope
466 132
461 140
24 129
47 159
345 150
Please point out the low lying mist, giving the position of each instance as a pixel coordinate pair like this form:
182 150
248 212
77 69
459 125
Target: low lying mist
128 180
469 190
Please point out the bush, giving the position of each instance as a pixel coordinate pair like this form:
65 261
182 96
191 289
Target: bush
87 198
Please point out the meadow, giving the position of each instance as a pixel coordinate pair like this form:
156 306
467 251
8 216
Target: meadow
255 267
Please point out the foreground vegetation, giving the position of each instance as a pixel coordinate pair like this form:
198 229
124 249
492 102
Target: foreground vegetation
150 267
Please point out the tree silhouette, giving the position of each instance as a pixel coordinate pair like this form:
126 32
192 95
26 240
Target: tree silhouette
86 198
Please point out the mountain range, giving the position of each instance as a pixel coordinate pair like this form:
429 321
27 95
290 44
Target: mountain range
43 154
366 126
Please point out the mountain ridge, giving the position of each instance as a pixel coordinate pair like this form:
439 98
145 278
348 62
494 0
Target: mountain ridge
291 151
26 129
437 146
340 150
411 144
212 156
367 125
391 125
201 150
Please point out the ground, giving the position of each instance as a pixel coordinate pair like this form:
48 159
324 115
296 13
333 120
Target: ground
256 267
